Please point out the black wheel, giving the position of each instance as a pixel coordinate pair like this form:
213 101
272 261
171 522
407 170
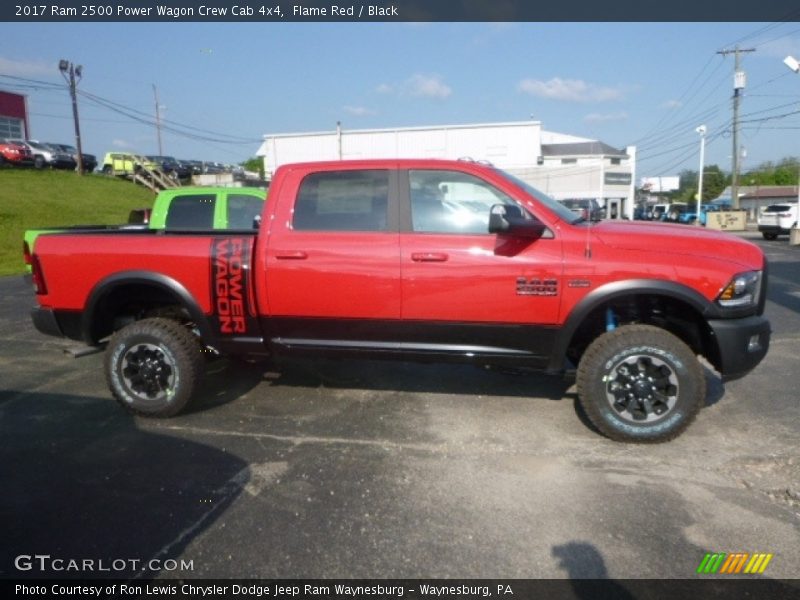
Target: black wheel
153 367
770 236
38 162
640 383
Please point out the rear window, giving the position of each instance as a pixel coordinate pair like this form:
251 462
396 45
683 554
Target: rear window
191 212
243 210
777 208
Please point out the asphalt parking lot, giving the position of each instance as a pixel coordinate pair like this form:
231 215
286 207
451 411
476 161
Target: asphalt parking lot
380 470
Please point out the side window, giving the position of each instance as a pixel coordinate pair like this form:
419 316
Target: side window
243 210
343 201
191 212
452 202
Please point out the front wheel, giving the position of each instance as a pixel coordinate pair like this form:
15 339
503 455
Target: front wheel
640 383
153 367
770 236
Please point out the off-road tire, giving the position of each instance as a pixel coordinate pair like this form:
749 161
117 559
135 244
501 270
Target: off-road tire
640 383
153 367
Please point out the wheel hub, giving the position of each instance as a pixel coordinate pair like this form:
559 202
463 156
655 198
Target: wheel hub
642 388
148 371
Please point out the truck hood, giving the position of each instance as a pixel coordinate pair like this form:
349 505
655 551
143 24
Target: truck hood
681 240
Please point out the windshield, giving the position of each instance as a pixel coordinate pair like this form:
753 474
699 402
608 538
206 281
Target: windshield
559 209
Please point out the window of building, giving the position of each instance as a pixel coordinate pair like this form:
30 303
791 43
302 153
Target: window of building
452 202
191 212
11 128
243 210
343 201
569 161
616 161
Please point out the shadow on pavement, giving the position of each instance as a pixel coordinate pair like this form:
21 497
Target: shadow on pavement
81 482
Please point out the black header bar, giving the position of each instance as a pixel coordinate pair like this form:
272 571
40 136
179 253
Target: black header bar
276 11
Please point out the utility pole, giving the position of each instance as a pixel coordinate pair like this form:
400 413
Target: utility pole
158 121
738 85
69 71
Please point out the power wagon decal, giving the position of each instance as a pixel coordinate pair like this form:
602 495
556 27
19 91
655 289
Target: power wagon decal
231 291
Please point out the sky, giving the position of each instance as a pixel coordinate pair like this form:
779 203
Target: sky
222 86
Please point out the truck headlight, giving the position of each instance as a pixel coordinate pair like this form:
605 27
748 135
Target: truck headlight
743 290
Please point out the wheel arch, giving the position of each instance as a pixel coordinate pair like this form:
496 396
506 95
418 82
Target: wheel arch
670 305
125 292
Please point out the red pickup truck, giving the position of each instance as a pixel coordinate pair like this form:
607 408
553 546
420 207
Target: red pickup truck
420 260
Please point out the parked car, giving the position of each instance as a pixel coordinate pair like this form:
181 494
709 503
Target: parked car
668 212
47 155
588 208
15 154
184 208
777 219
689 215
89 160
171 166
125 163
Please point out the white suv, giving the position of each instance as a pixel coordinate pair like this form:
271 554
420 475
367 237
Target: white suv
777 219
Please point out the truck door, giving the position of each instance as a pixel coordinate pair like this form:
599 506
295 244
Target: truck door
332 261
474 292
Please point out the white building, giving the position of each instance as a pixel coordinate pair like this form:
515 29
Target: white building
561 165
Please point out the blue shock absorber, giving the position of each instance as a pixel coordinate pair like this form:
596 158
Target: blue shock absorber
611 320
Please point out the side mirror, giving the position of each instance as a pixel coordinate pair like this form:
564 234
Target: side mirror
509 219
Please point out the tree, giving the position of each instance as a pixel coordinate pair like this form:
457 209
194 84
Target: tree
254 164
714 181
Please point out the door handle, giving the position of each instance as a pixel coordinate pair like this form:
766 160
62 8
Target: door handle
429 256
290 255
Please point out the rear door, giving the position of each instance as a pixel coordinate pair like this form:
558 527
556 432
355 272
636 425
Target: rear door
332 261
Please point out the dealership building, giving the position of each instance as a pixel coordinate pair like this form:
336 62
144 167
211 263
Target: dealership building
561 165
13 116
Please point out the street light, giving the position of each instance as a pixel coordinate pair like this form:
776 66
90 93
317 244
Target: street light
794 65
702 131
69 72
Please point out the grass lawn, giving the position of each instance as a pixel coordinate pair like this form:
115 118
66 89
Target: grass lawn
30 199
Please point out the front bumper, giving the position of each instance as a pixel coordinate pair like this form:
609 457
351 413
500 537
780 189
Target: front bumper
742 343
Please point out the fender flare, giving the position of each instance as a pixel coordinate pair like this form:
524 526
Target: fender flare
167 284
618 289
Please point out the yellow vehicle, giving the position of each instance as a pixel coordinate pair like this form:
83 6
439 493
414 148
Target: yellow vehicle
123 163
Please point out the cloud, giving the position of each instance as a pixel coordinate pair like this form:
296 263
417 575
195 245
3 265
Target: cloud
605 118
672 104
26 67
570 90
359 111
418 85
429 86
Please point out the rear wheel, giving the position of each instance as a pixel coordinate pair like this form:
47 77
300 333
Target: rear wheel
153 367
640 383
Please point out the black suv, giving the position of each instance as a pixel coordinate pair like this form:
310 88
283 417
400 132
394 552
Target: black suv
171 166
89 160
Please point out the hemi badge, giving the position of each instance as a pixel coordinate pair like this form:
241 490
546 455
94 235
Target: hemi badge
579 283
